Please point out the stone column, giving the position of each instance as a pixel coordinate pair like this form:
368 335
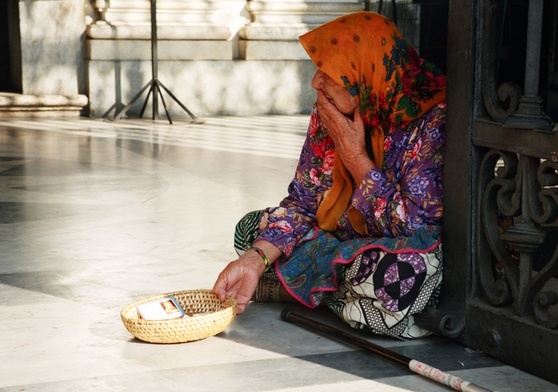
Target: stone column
276 25
51 59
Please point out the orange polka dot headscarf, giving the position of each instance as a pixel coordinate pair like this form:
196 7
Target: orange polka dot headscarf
366 54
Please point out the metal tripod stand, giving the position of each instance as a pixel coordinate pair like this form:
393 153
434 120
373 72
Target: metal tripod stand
154 85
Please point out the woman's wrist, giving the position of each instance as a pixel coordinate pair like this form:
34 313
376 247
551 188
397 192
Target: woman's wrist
263 256
266 251
360 167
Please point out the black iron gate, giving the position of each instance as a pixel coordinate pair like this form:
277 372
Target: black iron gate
501 203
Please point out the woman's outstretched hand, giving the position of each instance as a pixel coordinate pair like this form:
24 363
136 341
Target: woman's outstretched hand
240 277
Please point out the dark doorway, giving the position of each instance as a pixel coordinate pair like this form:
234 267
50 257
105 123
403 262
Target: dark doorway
549 59
10 48
434 31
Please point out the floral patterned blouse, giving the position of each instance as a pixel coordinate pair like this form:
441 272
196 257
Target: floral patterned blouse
396 201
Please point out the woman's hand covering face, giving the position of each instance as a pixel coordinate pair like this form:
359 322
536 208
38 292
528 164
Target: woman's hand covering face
334 93
338 111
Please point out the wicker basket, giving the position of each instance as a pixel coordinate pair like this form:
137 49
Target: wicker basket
219 315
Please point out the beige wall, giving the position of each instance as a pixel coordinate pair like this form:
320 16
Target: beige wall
218 57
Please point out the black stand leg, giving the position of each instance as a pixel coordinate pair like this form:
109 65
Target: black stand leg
154 85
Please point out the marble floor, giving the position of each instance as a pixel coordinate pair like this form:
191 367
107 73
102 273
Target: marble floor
95 215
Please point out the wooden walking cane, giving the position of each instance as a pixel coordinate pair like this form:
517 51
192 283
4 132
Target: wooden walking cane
415 366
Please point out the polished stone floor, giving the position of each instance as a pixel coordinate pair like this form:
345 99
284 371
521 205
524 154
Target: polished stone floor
95 215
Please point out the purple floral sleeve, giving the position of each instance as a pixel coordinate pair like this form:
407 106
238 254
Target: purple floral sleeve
408 193
295 216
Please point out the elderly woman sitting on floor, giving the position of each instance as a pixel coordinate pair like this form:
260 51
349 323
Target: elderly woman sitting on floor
360 228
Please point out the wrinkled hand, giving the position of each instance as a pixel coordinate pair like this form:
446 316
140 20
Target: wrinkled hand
239 279
347 135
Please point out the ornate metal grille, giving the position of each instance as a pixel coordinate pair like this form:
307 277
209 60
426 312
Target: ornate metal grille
518 175
508 146
501 183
